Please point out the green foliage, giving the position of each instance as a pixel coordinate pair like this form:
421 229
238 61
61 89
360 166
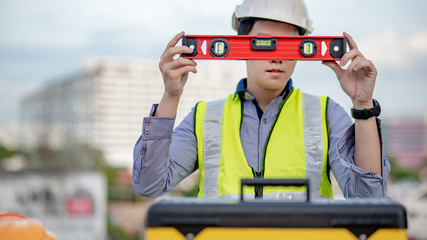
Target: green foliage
74 156
192 192
119 191
6 153
116 233
402 174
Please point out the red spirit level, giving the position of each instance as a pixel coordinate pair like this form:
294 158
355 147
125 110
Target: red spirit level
245 47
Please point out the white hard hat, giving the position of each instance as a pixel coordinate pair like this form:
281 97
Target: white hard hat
289 11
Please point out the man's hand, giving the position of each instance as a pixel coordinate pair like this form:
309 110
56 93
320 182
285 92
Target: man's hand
175 75
175 71
358 80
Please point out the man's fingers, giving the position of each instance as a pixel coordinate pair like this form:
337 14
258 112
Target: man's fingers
365 64
179 62
171 52
177 73
351 43
175 40
354 66
335 67
351 55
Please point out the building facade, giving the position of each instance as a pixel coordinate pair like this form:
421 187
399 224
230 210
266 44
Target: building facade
406 141
104 104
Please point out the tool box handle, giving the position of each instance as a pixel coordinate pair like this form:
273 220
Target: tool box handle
297 182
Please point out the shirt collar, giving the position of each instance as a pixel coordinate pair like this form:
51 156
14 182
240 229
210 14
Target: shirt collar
241 89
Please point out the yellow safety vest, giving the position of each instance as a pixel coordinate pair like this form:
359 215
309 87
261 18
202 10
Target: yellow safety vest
297 147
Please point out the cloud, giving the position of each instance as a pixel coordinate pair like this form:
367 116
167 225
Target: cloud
418 43
389 49
67 24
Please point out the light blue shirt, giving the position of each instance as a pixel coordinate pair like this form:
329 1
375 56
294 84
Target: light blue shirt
164 156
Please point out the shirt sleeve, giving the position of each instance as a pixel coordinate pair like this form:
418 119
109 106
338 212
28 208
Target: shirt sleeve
354 182
163 156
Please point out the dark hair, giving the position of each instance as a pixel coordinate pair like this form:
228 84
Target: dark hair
246 25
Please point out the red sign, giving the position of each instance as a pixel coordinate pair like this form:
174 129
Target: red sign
79 206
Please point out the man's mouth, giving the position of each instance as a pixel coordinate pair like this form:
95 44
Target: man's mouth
274 70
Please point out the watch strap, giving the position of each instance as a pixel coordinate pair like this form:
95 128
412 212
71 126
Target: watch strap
367 113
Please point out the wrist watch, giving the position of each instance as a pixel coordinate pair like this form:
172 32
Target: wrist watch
367 113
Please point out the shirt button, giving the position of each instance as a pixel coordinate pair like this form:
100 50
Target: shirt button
148 122
147 134
265 120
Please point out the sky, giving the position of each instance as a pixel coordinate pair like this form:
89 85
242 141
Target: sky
43 40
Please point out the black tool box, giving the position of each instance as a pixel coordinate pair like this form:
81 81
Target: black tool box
205 219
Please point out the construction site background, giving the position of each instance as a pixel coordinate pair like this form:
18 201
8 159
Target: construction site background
68 160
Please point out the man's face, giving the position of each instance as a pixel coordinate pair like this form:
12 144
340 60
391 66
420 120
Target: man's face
270 74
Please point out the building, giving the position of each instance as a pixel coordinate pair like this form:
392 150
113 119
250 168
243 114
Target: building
406 140
104 104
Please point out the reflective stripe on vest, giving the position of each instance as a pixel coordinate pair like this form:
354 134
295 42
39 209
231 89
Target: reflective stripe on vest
220 154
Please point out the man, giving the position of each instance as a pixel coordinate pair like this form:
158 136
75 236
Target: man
267 129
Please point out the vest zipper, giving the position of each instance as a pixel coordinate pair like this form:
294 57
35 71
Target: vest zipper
258 189
261 174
